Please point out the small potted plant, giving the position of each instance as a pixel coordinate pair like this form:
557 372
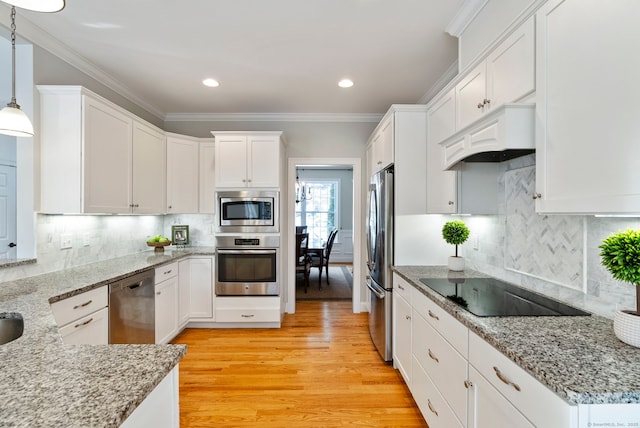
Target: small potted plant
455 232
620 253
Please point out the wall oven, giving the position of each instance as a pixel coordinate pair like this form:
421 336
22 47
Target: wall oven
247 265
246 211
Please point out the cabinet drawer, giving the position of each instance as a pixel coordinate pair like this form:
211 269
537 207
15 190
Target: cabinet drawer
450 328
247 309
165 272
444 365
433 407
402 287
90 330
538 403
78 306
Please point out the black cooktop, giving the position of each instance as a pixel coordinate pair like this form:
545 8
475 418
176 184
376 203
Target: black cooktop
490 297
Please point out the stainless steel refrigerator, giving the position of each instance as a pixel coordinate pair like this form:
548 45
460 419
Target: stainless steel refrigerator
380 259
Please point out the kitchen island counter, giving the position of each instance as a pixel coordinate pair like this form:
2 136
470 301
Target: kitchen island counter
49 384
578 357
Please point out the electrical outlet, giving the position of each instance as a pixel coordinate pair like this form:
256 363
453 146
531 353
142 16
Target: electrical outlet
65 241
476 242
86 239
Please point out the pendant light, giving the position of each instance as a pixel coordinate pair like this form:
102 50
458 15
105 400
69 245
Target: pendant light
38 5
14 121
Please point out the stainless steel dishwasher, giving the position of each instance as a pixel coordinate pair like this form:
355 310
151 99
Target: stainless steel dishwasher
132 309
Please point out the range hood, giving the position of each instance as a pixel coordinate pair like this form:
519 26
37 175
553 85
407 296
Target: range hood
502 134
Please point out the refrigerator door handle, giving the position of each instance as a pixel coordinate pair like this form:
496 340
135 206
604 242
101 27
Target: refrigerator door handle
370 286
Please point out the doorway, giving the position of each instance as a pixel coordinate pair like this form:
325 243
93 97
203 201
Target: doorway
356 220
8 235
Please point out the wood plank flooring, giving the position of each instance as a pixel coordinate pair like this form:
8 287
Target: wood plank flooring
319 370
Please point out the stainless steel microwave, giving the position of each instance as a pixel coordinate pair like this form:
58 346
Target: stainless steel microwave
246 211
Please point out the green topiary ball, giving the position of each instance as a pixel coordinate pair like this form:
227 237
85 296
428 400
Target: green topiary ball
620 254
455 232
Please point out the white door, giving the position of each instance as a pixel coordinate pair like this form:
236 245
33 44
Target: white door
8 235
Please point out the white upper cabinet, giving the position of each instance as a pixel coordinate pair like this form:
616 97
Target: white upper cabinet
382 145
207 177
441 184
182 174
587 107
247 159
96 157
506 75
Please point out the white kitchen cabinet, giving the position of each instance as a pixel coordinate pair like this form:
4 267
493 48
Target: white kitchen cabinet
184 282
587 107
183 158
207 177
506 75
148 173
242 310
166 302
83 318
201 292
160 409
433 406
247 159
402 327
441 184
95 156
382 145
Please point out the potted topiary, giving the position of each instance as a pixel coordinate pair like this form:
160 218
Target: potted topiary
455 232
620 254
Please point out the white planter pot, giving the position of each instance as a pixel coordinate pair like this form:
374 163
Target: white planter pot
626 326
456 263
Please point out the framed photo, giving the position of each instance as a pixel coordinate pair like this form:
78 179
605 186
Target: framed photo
180 234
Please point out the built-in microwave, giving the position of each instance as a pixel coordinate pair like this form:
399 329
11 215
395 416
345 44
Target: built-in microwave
246 211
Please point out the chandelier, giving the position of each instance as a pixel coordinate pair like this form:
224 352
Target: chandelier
303 191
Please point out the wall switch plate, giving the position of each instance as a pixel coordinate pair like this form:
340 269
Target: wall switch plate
86 239
476 242
65 241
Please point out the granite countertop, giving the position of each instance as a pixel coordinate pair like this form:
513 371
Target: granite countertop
48 384
578 357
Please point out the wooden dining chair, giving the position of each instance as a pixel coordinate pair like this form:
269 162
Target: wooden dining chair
321 260
303 261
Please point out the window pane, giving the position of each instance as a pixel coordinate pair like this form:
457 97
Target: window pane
319 212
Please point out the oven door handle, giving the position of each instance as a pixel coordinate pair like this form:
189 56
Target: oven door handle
246 251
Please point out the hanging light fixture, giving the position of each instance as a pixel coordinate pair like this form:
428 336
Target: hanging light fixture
38 5
303 192
14 121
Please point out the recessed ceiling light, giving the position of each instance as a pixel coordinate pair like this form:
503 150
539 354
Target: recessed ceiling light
212 83
345 83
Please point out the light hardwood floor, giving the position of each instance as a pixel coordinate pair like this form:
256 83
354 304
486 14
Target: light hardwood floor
319 370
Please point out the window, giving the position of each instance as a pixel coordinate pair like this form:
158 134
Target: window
320 212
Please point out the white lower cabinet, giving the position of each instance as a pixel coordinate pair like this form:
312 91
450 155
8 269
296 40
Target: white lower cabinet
434 408
201 293
248 309
83 318
402 327
161 407
166 304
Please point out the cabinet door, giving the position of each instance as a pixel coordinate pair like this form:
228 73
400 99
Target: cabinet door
201 287
489 409
402 337
441 184
149 170
511 67
207 178
263 161
587 110
184 284
231 161
107 158
470 94
92 329
182 176
382 145
166 305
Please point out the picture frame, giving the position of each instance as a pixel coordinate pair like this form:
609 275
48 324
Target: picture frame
180 234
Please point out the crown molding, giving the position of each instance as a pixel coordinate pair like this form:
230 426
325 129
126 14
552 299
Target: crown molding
441 83
273 117
465 15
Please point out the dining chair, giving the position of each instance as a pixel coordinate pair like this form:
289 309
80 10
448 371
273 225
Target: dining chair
303 261
301 229
321 259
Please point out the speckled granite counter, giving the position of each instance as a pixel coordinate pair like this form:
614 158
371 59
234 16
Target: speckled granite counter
48 384
577 357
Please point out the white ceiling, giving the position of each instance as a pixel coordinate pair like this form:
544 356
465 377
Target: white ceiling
270 56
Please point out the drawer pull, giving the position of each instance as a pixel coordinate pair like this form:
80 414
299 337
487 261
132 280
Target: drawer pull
433 357
408 317
83 305
401 287
167 272
505 380
468 384
432 315
434 411
247 316
83 323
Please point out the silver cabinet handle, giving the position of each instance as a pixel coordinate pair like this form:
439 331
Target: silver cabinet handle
451 202
83 304
407 317
158 293
480 105
83 323
167 272
247 316
401 287
432 315
434 411
486 101
468 384
505 380
537 195
433 357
